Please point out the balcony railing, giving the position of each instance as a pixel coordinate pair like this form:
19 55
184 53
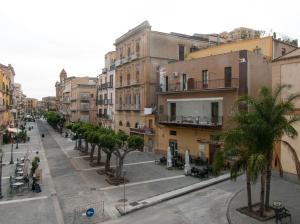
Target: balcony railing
104 116
127 83
191 120
143 131
84 98
196 85
84 108
104 102
105 85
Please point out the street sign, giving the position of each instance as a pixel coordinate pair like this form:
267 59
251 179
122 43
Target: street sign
90 212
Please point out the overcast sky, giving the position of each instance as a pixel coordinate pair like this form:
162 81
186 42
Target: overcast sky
41 37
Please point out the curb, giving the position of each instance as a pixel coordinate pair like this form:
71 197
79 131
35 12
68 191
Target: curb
144 204
228 205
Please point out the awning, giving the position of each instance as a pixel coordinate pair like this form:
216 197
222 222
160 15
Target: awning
14 130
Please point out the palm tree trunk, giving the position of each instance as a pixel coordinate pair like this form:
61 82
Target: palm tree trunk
107 163
92 153
262 194
99 155
268 181
249 196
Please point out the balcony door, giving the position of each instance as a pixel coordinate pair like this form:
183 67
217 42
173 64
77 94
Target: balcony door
173 147
205 79
173 111
183 81
228 77
214 112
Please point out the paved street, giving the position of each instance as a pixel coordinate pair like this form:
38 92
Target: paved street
206 206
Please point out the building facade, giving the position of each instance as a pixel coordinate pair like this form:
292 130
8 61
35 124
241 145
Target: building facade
48 103
286 70
6 98
19 101
267 46
106 92
139 54
30 106
83 99
196 98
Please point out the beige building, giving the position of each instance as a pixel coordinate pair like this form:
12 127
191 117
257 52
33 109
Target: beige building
30 106
196 98
106 92
139 55
6 98
76 98
48 103
286 70
83 99
19 98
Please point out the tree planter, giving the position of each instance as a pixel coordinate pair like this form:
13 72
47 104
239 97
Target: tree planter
268 214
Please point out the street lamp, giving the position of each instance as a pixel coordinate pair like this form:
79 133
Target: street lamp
17 145
11 150
1 156
124 199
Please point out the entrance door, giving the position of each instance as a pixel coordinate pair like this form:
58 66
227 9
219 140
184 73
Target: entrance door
173 147
212 150
227 77
173 111
214 112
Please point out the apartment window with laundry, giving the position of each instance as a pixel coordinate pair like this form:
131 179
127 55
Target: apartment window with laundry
181 52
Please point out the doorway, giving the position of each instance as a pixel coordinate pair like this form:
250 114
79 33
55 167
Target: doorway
214 112
173 147
173 111
228 77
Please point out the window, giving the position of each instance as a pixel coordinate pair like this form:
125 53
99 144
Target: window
100 112
111 80
150 123
92 95
105 112
137 76
120 123
128 79
121 80
205 79
128 51
173 132
137 47
161 109
127 124
228 77
181 52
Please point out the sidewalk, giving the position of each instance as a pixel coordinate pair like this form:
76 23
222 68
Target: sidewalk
133 206
281 190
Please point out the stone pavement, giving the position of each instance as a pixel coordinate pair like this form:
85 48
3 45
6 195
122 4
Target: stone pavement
27 207
281 190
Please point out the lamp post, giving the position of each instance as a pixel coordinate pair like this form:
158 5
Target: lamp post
11 150
124 199
1 156
17 145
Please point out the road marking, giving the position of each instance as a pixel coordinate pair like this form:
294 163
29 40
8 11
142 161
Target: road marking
23 200
141 182
126 164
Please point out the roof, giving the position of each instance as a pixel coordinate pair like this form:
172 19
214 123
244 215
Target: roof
63 72
293 54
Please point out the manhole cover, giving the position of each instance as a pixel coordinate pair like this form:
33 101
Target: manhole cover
134 203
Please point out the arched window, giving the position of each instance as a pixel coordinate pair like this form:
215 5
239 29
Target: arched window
120 123
127 124
136 125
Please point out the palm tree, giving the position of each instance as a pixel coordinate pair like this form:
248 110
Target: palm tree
277 119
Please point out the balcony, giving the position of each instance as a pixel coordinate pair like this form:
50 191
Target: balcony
196 121
143 131
135 107
135 56
105 85
112 67
66 100
122 107
2 108
196 85
104 116
84 108
104 70
73 99
84 98
118 62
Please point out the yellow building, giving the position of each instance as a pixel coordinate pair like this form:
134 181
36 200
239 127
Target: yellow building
6 91
267 46
286 70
